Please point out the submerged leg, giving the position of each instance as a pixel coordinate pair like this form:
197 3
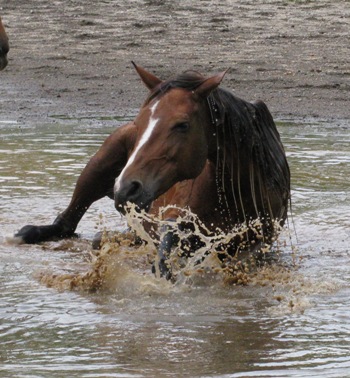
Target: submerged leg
168 240
95 182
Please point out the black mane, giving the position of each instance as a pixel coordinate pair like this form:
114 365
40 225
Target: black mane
251 157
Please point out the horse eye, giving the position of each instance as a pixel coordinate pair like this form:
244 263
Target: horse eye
181 126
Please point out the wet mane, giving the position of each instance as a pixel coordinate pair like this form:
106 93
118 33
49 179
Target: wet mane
251 157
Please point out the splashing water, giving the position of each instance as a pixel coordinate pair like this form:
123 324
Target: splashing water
211 254
124 261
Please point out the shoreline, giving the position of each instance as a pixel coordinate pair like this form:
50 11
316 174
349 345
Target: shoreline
76 61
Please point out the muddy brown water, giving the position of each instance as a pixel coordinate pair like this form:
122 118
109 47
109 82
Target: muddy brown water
290 320
73 58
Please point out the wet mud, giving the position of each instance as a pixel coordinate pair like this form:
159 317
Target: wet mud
72 58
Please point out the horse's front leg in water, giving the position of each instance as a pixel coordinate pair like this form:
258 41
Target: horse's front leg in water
90 187
96 181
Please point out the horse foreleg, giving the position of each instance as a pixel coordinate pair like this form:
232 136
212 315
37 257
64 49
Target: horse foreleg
167 241
96 181
90 187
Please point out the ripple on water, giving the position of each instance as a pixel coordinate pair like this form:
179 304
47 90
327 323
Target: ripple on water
289 320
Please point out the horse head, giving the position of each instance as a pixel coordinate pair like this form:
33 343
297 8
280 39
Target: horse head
173 137
4 47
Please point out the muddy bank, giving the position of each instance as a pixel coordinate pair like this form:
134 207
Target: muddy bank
73 57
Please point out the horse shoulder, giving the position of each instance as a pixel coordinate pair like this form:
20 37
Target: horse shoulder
123 139
116 148
99 174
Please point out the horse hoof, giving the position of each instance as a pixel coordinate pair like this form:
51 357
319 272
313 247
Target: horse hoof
28 235
96 241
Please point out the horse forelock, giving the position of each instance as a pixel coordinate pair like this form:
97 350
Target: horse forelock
188 80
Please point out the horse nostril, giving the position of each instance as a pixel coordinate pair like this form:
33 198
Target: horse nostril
134 190
129 192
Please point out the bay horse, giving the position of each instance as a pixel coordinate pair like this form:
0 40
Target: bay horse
192 145
4 46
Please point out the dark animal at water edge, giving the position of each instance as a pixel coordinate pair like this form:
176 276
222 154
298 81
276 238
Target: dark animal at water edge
4 46
193 145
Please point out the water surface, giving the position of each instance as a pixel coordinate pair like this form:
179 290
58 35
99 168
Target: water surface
291 322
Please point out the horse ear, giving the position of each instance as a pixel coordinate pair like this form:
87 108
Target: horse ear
210 84
148 79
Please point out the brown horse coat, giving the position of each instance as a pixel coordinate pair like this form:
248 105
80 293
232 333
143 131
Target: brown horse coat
4 46
192 145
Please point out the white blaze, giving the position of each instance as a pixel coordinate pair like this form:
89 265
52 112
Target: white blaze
145 137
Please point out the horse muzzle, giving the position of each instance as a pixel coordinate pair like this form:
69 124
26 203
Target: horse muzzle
133 192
